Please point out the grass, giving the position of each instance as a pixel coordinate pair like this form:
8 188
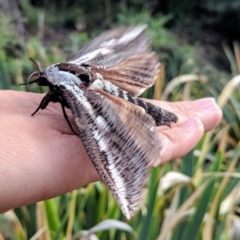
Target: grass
195 197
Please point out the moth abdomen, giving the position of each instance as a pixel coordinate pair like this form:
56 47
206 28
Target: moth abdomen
161 116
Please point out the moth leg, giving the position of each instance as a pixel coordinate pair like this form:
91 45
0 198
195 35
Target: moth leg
67 119
53 96
45 101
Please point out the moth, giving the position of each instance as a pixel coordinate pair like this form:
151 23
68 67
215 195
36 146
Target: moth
101 84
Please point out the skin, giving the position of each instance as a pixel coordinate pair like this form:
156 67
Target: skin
41 158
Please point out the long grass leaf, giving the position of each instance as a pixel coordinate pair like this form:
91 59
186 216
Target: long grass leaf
231 58
54 222
72 207
42 225
154 181
196 221
181 79
228 90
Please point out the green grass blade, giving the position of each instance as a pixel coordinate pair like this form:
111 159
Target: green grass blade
153 187
194 226
54 222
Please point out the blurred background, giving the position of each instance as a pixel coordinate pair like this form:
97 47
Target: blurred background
195 197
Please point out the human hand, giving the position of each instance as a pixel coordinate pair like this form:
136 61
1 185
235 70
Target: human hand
41 158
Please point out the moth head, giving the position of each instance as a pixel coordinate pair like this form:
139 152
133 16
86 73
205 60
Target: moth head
39 76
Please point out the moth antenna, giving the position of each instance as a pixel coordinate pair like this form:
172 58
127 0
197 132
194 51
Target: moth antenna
36 64
34 74
28 82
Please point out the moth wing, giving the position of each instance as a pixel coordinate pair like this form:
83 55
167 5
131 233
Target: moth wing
123 57
114 44
132 145
134 74
120 140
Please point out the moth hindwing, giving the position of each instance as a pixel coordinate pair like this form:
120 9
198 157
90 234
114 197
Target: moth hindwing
100 85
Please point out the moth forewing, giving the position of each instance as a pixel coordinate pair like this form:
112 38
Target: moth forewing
133 39
140 125
120 139
140 128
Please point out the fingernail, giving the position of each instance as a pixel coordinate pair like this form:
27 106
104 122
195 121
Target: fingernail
192 123
206 104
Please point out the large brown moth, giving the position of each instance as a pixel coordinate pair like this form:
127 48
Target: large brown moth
100 85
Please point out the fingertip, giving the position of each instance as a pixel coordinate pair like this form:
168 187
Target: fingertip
209 112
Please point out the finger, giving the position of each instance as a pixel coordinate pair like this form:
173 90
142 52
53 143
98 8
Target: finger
178 141
208 112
